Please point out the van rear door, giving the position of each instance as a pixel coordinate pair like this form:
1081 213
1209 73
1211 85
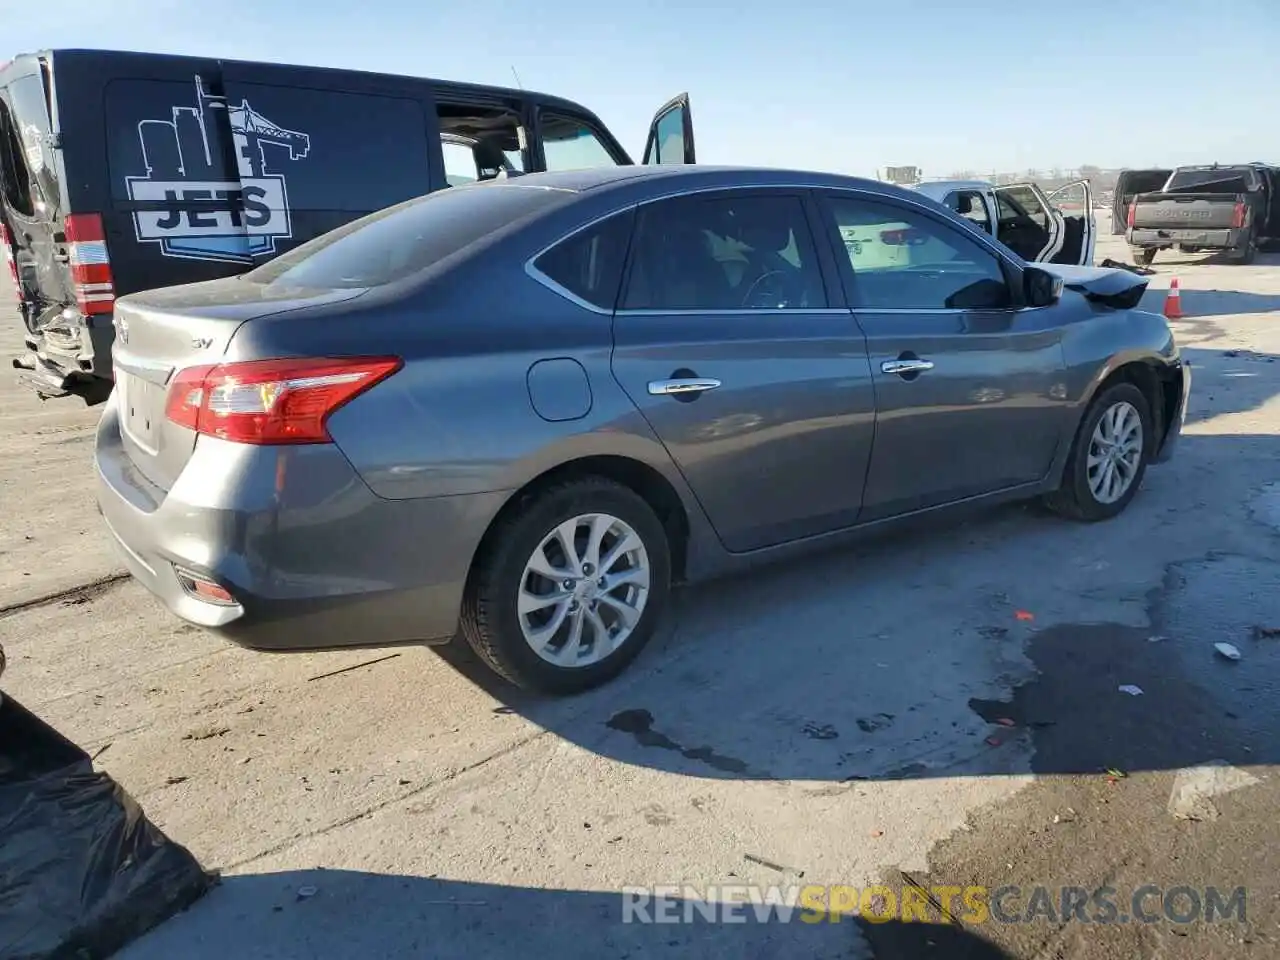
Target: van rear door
30 193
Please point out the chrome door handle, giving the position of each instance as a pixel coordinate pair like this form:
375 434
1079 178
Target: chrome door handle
906 366
666 388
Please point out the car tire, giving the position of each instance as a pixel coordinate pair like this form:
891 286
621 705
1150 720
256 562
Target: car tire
1244 254
1082 497
496 627
1143 256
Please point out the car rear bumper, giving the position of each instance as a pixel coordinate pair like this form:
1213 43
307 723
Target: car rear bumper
311 558
1225 239
1173 432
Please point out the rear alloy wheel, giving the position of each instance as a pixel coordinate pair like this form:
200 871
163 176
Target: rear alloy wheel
1108 458
571 587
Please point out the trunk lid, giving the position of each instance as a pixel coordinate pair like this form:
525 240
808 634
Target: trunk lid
159 332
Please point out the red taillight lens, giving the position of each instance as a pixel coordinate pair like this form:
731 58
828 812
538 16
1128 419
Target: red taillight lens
1133 210
271 401
1238 215
90 265
6 251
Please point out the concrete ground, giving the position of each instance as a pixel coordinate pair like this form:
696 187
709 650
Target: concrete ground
939 709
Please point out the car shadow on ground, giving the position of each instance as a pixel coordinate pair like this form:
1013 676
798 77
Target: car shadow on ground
347 913
922 655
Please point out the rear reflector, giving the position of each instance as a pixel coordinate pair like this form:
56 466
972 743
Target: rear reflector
203 588
271 401
6 251
90 266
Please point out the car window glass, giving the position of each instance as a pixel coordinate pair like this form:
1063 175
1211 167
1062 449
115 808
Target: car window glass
459 163
589 263
670 137
1021 201
903 259
968 204
740 253
402 240
569 144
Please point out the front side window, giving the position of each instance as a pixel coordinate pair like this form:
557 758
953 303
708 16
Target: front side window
739 253
400 241
969 205
569 144
588 264
903 259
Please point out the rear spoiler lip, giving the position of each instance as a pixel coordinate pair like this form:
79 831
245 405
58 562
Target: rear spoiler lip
1117 289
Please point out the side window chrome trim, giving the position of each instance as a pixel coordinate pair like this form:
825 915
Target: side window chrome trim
532 271
842 311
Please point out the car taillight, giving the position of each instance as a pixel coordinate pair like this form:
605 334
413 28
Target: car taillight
1133 210
6 250
271 401
90 266
1238 215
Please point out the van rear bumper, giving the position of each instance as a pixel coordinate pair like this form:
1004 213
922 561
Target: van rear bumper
85 373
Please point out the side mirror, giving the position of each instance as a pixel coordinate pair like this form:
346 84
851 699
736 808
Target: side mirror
1040 288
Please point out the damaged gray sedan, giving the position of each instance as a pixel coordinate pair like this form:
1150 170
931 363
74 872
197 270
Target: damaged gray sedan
520 411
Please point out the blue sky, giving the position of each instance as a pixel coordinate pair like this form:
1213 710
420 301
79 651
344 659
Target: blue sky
851 87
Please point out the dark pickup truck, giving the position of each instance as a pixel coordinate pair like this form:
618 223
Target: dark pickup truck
1230 208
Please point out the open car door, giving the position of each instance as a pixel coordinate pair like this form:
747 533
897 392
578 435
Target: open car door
1074 204
1028 224
671 133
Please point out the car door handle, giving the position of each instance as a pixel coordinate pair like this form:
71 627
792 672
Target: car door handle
666 388
901 367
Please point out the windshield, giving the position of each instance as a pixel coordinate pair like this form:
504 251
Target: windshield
1222 180
405 239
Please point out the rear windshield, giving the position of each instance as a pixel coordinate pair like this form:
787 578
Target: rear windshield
1224 180
402 240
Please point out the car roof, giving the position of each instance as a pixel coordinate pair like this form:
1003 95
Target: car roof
699 176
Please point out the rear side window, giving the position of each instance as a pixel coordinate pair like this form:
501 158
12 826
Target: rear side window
400 241
588 264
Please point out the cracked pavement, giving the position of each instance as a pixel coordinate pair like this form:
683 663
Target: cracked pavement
835 720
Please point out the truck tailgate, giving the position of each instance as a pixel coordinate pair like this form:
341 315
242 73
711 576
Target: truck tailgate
1177 211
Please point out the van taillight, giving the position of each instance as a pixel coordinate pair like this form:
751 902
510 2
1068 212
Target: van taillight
6 250
90 265
1238 215
1133 212
271 401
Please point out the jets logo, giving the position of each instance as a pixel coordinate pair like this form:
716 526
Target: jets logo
187 202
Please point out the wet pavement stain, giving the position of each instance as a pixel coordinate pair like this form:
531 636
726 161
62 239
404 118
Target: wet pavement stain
639 723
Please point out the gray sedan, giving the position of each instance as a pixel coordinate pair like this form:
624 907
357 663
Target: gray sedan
521 410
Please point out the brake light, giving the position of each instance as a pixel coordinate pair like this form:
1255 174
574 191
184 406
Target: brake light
1238 215
1133 212
90 265
6 247
271 401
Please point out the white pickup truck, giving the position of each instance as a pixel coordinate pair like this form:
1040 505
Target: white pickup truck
1057 228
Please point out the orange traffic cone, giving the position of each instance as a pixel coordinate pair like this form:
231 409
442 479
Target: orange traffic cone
1173 302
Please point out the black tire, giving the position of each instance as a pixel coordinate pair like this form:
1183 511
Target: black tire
1244 254
1074 499
490 619
1143 256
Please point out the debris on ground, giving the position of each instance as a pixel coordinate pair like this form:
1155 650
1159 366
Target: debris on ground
306 893
1193 788
1156 638
1024 615
1227 650
1265 633
823 731
1131 689
1114 775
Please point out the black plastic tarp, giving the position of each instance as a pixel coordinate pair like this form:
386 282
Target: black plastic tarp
82 870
